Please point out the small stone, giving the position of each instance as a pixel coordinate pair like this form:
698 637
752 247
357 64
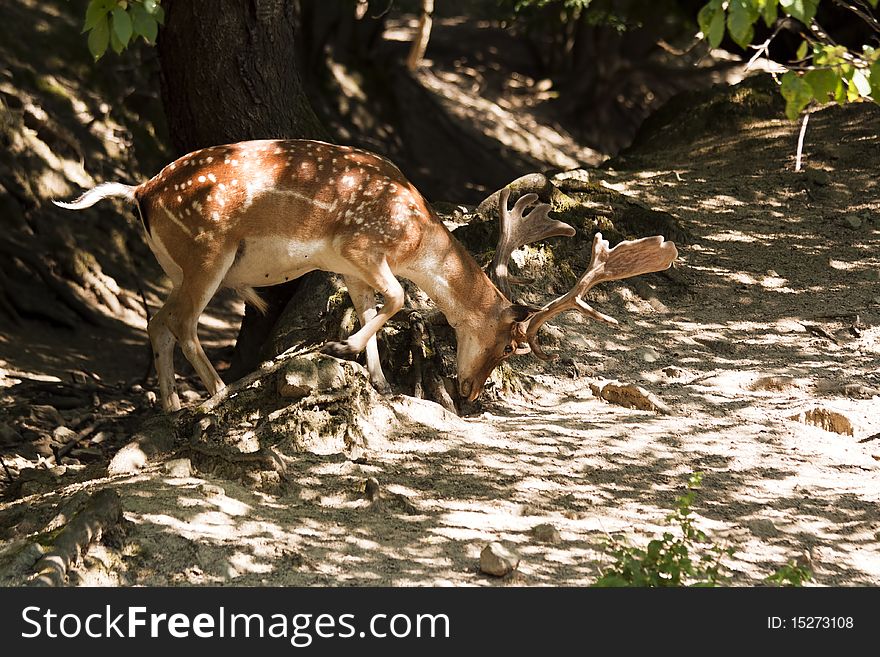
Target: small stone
818 177
825 419
211 490
649 355
8 435
136 388
673 372
497 560
150 397
79 377
546 533
853 221
629 396
178 468
63 434
190 395
371 489
762 528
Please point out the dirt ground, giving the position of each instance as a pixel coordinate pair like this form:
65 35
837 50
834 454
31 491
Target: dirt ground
773 312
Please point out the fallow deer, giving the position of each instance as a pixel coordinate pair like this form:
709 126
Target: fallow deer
259 213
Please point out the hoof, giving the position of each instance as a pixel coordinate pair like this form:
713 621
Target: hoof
339 350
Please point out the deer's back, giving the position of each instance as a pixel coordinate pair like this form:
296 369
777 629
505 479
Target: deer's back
309 195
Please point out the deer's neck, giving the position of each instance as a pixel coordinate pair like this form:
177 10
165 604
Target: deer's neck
448 274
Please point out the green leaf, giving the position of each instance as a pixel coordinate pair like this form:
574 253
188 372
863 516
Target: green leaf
122 26
144 24
99 38
861 83
115 43
741 16
824 83
768 11
797 93
802 51
711 21
828 55
160 15
802 10
96 10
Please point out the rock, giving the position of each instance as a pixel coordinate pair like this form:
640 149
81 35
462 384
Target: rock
762 528
178 468
825 419
630 396
8 435
497 560
649 355
371 489
673 372
150 397
79 377
156 436
63 435
211 490
44 414
546 533
190 396
774 383
818 177
853 221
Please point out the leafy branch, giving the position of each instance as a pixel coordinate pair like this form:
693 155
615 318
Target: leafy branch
823 70
115 23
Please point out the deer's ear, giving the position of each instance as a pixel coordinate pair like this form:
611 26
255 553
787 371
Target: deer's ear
521 313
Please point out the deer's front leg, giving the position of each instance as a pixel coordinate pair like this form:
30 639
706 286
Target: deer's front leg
382 279
364 299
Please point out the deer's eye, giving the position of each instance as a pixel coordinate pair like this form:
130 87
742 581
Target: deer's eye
508 350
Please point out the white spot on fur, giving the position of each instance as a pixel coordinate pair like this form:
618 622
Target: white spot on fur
201 179
212 177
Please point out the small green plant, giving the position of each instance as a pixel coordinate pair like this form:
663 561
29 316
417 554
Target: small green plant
685 557
791 574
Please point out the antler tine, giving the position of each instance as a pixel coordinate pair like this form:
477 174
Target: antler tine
627 259
516 230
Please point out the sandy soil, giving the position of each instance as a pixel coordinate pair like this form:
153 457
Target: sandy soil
774 311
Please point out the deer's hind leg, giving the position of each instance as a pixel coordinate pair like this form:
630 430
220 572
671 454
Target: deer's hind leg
180 317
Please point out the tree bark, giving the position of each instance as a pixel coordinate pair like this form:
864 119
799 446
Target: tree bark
229 73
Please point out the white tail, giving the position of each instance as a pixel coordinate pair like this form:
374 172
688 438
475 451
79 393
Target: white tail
105 190
260 213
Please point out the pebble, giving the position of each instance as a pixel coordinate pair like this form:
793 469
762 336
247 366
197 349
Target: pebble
178 468
497 560
853 221
546 533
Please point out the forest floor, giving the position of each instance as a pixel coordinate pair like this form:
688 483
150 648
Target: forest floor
773 319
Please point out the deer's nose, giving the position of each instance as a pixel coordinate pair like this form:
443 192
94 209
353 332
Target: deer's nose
465 386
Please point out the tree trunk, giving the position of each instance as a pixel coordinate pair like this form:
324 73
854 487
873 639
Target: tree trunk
229 74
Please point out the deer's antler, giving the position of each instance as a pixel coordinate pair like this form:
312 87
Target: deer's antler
516 230
629 258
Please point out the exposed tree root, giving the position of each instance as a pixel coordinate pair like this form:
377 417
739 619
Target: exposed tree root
102 512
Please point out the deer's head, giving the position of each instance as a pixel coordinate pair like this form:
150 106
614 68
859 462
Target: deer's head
484 347
514 328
